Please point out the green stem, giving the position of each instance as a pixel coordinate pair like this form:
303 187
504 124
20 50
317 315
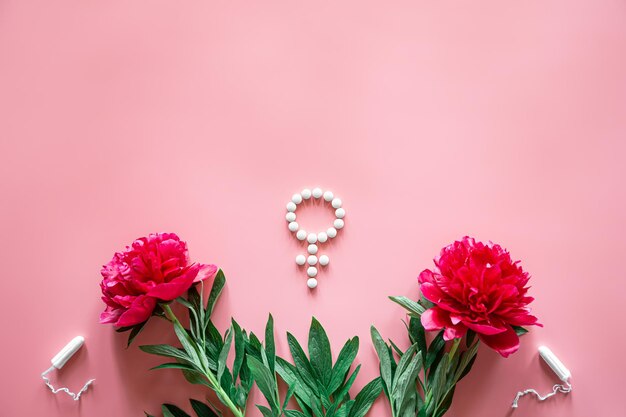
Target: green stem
222 395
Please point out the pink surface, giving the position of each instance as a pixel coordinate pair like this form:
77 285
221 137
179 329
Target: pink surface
504 120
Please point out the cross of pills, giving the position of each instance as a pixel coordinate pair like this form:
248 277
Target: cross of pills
312 258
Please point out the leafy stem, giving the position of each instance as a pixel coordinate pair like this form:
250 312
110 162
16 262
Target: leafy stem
214 384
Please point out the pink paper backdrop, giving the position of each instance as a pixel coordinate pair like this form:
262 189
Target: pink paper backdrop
505 120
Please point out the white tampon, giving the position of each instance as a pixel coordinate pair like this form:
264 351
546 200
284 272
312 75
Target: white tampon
67 352
558 368
59 360
555 364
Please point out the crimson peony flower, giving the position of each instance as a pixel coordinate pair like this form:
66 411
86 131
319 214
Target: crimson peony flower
154 268
476 286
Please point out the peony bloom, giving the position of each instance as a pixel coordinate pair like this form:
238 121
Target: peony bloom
154 268
477 286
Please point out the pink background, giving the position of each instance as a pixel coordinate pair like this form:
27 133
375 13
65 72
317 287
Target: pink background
500 119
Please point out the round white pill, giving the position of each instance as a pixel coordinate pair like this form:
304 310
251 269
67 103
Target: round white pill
296 198
311 260
311 271
306 193
322 237
291 216
328 195
301 235
293 226
340 213
331 232
338 223
324 260
300 259
312 249
291 206
317 192
311 238
336 203
311 283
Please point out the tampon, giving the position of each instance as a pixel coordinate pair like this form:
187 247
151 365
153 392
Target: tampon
555 364
67 352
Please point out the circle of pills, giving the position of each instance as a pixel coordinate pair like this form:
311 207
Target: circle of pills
313 240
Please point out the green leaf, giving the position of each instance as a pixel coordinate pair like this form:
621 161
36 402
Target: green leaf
213 345
294 413
343 391
189 345
342 365
467 361
290 392
218 285
290 375
303 367
134 332
417 335
240 348
319 352
270 347
170 410
436 347
406 359
174 366
265 381
165 350
196 378
365 398
469 337
221 361
412 306
519 330
265 411
405 381
201 409
446 403
383 355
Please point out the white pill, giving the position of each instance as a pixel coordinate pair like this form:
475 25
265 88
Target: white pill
311 238
317 192
311 283
306 193
340 213
324 260
331 232
291 206
291 216
296 198
338 223
328 195
311 271
311 260
300 259
293 226
301 235
312 249
322 237
336 203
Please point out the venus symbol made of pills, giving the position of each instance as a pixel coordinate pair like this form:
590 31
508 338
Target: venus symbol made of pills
314 239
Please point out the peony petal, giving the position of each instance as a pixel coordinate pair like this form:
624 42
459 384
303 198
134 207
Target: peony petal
169 290
431 292
435 319
139 311
110 315
454 332
484 328
205 272
505 343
